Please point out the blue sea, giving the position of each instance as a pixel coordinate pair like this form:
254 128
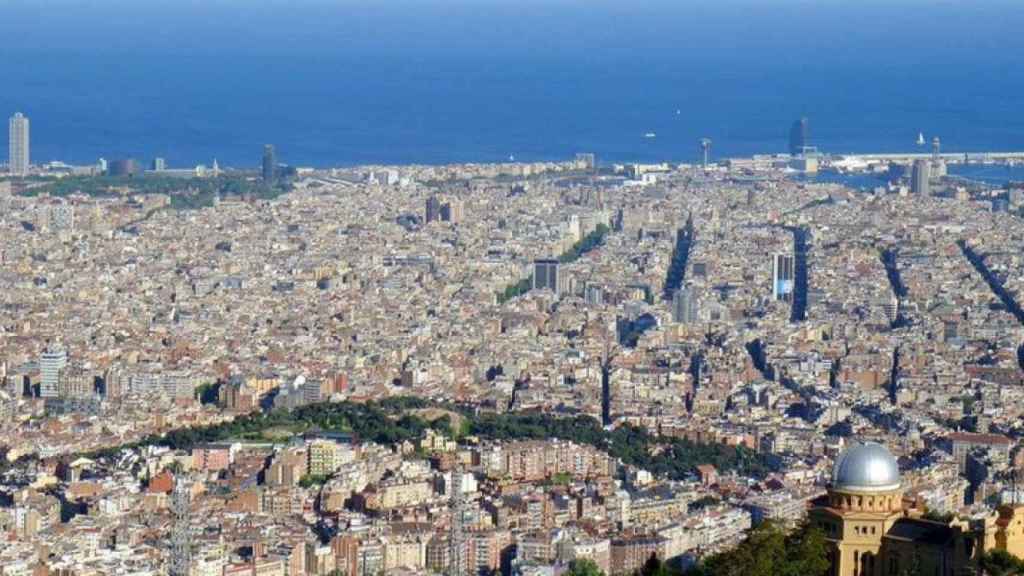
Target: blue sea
344 82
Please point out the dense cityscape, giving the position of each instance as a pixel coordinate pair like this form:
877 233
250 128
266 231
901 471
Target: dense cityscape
529 369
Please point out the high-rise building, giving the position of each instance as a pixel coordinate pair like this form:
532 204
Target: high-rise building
685 306
545 275
892 308
783 276
51 364
452 211
433 209
799 136
181 530
159 165
920 178
269 163
18 132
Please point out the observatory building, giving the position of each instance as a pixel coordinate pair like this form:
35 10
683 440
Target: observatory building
872 533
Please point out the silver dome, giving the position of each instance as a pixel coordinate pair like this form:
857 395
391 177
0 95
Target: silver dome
867 467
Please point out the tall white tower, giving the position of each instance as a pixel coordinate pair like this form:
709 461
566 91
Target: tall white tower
53 360
18 145
457 529
181 530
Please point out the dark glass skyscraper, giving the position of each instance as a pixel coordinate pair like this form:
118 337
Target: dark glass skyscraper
433 210
545 275
799 136
269 163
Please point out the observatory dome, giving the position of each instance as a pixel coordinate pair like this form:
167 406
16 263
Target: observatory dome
867 467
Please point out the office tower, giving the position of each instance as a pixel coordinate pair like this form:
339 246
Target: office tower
799 136
18 145
181 529
685 306
892 308
783 276
269 163
433 210
159 165
545 275
51 363
451 211
920 178
457 528
705 149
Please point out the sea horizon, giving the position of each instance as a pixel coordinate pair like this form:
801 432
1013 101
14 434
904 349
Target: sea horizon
461 82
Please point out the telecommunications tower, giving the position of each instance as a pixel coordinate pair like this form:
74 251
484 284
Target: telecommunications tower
705 149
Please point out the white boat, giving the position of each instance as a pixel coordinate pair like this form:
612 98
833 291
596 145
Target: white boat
650 135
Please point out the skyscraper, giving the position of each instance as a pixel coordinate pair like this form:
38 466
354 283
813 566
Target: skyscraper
545 275
799 136
269 163
433 211
51 363
181 529
452 211
920 178
783 276
19 145
685 306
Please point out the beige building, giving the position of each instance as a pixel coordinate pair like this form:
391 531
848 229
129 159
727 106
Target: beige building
324 457
870 531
